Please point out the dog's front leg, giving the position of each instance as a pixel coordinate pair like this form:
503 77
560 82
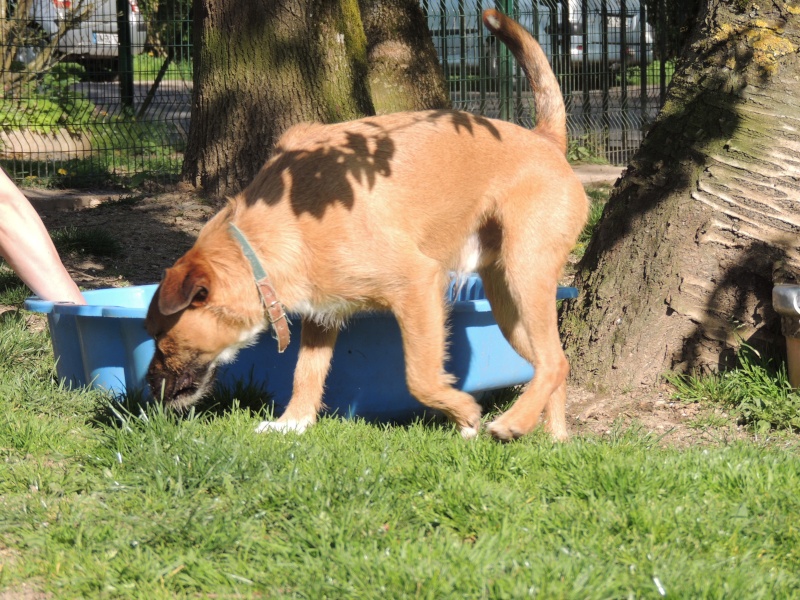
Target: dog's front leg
313 363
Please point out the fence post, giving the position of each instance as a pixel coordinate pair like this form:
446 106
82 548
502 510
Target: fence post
125 53
623 69
587 106
463 85
443 29
643 66
605 73
566 49
662 45
506 90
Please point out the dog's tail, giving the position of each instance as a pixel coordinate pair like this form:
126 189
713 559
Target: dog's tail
551 116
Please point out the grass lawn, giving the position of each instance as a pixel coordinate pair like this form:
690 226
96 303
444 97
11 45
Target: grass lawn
148 505
653 73
146 67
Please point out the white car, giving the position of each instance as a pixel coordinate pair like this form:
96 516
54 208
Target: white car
94 41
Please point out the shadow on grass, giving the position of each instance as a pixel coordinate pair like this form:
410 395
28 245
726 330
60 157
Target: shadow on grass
242 396
12 291
256 400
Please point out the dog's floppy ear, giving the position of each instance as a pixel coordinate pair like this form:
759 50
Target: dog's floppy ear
182 285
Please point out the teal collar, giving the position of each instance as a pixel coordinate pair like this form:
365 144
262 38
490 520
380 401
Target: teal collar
276 315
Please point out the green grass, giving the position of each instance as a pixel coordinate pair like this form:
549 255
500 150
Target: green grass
757 393
146 67
653 73
124 151
12 292
598 196
148 505
587 149
86 241
47 103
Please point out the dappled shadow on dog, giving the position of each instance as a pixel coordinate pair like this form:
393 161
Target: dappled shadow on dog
373 214
318 166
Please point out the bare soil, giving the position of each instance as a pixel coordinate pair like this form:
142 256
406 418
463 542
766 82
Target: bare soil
156 228
153 230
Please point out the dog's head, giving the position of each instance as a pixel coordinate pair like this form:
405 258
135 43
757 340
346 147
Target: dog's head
199 320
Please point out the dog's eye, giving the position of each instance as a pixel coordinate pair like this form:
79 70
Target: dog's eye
201 296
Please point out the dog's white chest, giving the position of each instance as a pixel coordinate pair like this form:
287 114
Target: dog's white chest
471 255
329 314
245 339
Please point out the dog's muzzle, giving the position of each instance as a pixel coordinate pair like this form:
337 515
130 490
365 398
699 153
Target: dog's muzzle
179 390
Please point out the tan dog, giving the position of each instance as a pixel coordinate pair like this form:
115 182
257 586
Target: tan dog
373 214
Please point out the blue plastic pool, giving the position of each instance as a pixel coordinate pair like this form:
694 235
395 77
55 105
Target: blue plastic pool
104 345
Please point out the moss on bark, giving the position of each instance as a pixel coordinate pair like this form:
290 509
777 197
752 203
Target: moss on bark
262 67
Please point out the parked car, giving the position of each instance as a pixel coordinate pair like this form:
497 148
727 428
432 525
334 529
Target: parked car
93 42
464 44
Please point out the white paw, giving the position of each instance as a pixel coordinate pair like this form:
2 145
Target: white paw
469 432
293 425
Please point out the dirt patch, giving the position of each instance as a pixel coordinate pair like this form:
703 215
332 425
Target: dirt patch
655 411
24 591
155 229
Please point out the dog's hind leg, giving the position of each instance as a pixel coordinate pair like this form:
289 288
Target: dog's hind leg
555 413
420 311
526 314
313 364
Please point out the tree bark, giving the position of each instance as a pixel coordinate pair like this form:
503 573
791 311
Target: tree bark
404 71
262 66
706 218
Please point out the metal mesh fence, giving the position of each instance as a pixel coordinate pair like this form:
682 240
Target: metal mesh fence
95 92
612 66
98 92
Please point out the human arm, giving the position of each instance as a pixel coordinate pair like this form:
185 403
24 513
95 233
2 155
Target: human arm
28 249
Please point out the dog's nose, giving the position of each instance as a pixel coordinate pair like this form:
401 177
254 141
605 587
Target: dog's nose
158 386
158 379
185 381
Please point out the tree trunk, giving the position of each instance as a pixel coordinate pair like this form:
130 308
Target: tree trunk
706 218
404 71
262 66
